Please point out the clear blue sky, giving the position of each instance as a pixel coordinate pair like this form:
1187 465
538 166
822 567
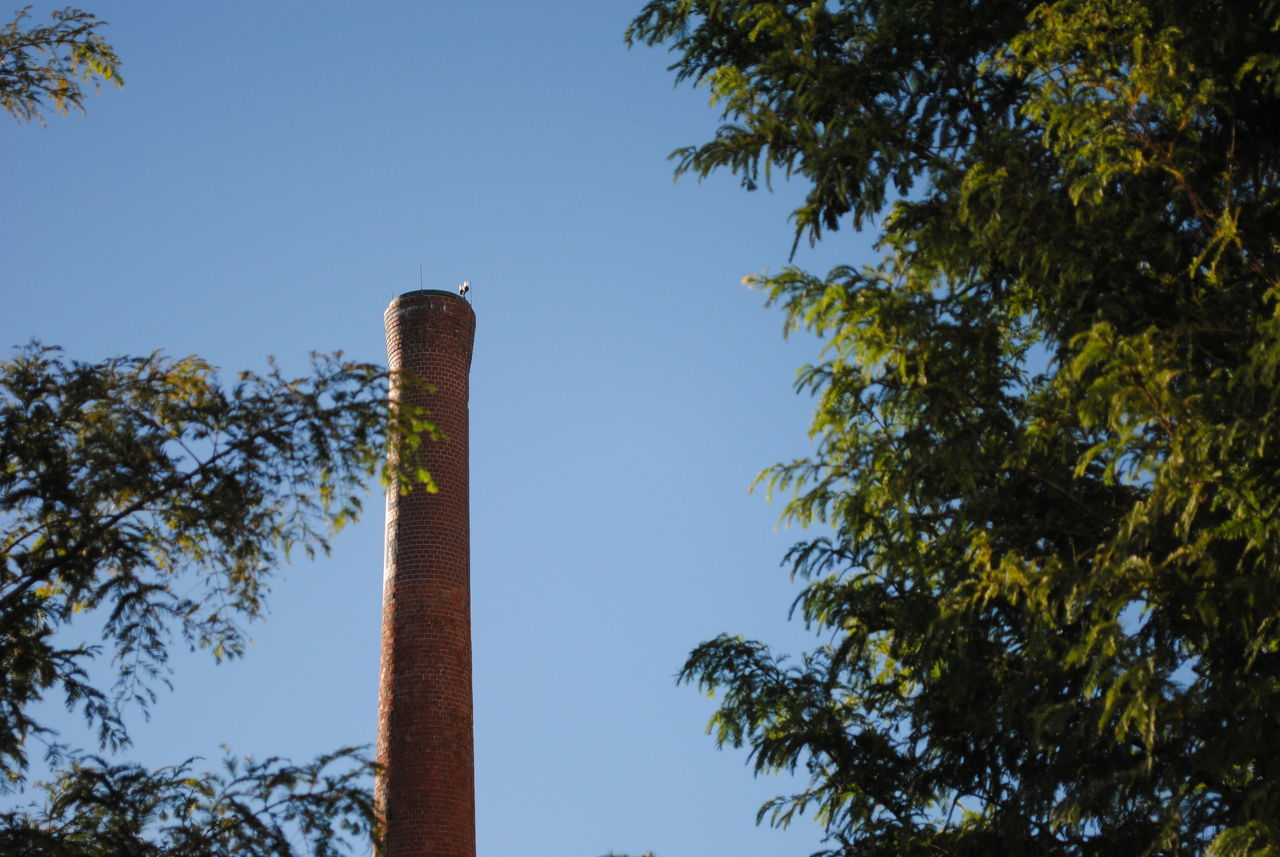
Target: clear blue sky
270 177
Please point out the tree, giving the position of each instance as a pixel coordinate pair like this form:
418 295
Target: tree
53 62
95 808
144 493
1047 583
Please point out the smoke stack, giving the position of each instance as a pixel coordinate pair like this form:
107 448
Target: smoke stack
426 792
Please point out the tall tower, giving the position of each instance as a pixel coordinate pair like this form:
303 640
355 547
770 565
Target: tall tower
426 792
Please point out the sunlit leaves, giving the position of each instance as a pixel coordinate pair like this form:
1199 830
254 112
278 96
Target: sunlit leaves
1045 424
143 495
53 62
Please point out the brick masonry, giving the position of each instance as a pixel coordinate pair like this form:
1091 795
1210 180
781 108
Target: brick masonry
426 792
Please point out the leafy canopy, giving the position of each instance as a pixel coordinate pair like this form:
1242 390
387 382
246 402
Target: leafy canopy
53 62
144 504
1046 421
96 808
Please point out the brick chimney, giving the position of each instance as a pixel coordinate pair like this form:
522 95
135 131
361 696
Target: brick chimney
426 793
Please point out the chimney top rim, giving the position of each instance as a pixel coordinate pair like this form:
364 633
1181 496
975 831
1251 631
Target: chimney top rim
424 292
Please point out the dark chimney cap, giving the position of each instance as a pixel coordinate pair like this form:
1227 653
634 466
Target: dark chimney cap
417 292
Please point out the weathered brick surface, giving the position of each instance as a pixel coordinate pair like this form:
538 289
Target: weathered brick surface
426 792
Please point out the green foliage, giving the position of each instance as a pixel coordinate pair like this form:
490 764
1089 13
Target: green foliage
143 504
1046 422
249 809
53 62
